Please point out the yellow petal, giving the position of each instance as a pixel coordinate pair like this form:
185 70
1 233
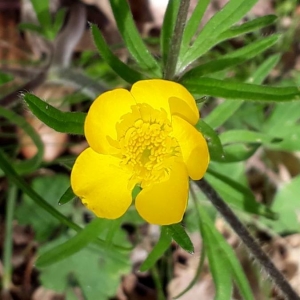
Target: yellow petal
168 95
164 203
101 184
193 147
105 112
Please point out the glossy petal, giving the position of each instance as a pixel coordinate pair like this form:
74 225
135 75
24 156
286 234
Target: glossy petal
105 112
170 96
101 184
165 203
193 146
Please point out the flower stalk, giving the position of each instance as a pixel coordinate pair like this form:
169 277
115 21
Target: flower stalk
276 276
175 43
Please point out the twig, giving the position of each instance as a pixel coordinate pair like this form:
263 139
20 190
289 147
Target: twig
278 278
176 40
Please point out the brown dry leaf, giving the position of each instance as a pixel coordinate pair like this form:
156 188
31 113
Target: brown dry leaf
133 289
44 294
184 271
285 253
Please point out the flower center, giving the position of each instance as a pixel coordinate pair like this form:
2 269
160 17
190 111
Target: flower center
147 144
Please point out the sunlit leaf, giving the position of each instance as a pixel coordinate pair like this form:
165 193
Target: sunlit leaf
132 38
231 13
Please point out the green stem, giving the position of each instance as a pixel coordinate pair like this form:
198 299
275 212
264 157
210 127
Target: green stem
10 205
202 256
114 225
176 39
157 282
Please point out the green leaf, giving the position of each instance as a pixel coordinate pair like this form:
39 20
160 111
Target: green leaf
5 78
231 13
68 122
168 28
290 140
29 165
31 27
5 165
73 245
226 109
58 21
193 23
222 260
237 195
232 59
28 213
96 275
181 237
247 136
132 38
240 91
158 250
213 141
286 204
122 69
218 262
284 121
264 69
238 152
67 196
282 118
41 9
247 27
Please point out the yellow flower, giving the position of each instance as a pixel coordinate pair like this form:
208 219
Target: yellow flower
144 137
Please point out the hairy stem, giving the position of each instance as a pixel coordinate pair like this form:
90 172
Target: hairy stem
176 40
254 248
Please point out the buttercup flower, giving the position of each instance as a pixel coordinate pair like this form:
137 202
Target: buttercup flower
145 137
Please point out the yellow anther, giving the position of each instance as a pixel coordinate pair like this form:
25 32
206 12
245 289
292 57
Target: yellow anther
146 144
